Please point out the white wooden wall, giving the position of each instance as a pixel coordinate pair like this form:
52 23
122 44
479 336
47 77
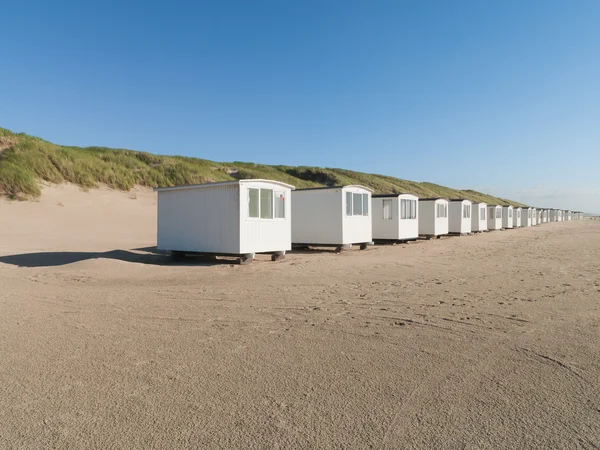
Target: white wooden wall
357 229
199 220
317 216
517 217
477 223
396 228
264 235
429 224
526 217
507 217
493 222
456 222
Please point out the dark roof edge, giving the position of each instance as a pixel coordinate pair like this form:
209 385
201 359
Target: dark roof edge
393 195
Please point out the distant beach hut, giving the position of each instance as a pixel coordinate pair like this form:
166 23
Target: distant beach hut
507 216
233 218
539 218
433 217
479 217
494 217
395 217
459 216
533 217
517 217
332 216
526 217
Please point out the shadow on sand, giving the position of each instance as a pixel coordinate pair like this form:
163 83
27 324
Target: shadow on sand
147 255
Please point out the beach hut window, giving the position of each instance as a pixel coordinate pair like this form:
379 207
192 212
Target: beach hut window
279 204
357 205
498 213
518 213
387 209
466 211
510 213
529 214
482 212
348 203
442 211
266 203
253 202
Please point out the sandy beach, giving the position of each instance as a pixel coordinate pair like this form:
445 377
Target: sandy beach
483 341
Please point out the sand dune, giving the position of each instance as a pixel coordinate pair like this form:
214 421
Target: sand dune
485 341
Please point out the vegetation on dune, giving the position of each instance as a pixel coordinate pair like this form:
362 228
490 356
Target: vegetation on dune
27 160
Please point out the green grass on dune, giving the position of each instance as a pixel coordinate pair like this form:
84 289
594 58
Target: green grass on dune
26 160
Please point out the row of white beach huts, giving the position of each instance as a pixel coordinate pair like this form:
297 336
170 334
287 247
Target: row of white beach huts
245 217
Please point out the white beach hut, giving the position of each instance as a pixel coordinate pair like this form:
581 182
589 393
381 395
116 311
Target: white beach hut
233 218
479 217
517 217
494 217
459 216
538 218
533 217
526 217
433 217
332 216
507 216
395 217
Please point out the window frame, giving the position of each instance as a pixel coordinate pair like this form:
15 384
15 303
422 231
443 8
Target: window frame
444 209
387 202
276 196
357 197
466 211
250 191
274 190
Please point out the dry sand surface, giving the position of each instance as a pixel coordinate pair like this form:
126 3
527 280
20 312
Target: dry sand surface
485 341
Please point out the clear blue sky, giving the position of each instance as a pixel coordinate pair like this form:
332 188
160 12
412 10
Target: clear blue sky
501 96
